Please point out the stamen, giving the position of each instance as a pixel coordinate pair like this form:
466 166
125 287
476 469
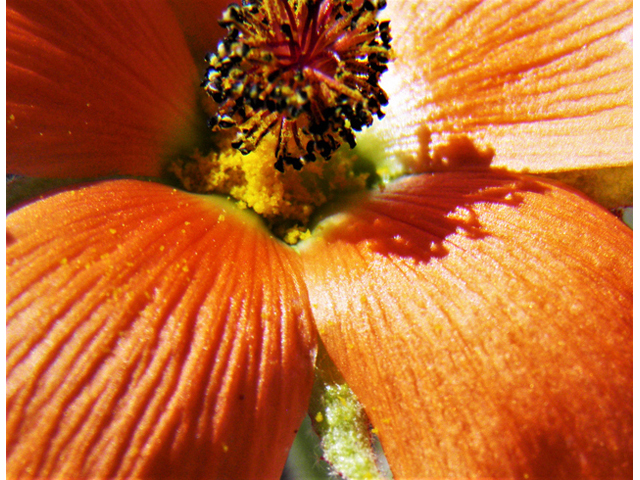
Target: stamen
306 70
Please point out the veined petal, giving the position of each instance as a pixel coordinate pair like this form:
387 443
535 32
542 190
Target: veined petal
546 84
484 321
151 333
113 82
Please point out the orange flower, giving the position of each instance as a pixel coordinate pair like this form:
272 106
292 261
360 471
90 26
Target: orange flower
482 317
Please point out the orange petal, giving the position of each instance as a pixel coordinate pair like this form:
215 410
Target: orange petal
151 333
112 82
546 84
484 321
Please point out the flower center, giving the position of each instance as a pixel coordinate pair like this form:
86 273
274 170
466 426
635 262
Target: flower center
305 70
293 80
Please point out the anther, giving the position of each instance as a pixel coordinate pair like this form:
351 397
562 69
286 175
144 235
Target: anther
312 81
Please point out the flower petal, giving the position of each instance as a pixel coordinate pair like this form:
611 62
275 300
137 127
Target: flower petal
113 82
484 321
199 20
546 84
610 187
151 333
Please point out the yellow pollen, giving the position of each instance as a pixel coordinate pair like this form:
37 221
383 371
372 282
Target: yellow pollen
285 199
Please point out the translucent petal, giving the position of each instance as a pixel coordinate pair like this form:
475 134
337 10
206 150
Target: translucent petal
484 321
97 88
610 187
547 85
151 333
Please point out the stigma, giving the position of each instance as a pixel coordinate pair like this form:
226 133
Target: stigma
305 71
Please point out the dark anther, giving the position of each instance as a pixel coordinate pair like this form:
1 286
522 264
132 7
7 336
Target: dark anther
268 80
319 128
325 148
294 162
356 124
230 15
232 36
311 146
226 122
294 112
347 111
256 103
373 104
348 137
286 29
273 75
234 12
382 97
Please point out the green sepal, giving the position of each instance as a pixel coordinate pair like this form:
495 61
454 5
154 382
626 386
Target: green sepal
341 423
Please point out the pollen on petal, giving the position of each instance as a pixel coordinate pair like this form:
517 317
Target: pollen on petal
547 85
97 88
151 352
495 340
